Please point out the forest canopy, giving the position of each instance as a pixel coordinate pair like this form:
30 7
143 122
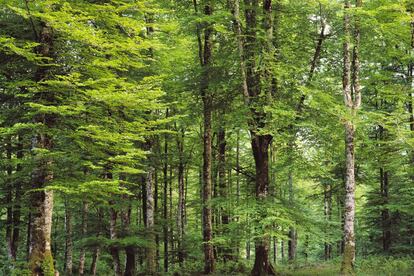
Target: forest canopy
206 137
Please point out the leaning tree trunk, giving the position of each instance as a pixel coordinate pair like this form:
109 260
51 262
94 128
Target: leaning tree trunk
352 103
40 254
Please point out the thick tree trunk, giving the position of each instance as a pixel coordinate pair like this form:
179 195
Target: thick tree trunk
40 255
260 146
84 229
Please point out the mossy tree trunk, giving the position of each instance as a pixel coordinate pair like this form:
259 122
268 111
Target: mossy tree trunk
40 254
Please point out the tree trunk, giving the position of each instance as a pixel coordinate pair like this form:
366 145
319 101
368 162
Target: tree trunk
328 216
69 242
9 200
151 250
181 202
292 232
84 229
260 146
385 213
114 250
207 98
165 199
352 103
17 203
129 249
40 256
94 264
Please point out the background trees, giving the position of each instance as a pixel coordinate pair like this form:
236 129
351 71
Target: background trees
176 136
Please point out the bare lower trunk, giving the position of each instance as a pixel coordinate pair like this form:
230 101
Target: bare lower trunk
206 55
40 255
165 199
84 228
151 250
69 243
9 201
385 213
260 146
114 250
181 202
348 262
352 103
94 264
327 214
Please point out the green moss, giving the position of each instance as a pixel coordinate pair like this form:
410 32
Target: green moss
42 263
348 266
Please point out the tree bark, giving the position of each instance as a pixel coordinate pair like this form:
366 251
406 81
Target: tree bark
207 97
151 250
9 200
69 242
84 229
165 199
181 202
40 255
385 213
114 250
352 103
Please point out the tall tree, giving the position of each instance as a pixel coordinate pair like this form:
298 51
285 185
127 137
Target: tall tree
352 96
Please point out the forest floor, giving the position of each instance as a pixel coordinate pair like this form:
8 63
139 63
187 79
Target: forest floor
365 267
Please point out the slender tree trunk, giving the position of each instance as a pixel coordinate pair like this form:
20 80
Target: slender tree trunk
69 242
328 216
223 187
129 250
114 250
84 229
206 54
17 203
94 264
292 232
352 102
165 199
181 202
9 200
151 253
385 214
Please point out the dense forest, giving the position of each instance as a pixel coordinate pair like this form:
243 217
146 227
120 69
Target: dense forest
206 137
